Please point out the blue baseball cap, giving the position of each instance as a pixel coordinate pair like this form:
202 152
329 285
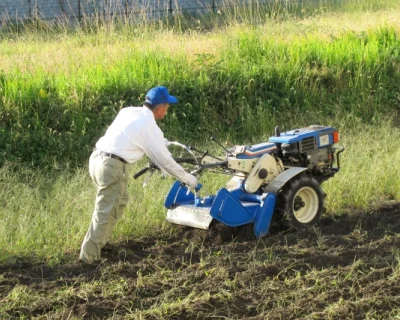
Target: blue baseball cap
159 95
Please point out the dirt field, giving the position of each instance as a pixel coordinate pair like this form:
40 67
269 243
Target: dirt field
347 268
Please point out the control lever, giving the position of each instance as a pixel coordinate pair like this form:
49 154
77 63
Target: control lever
220 144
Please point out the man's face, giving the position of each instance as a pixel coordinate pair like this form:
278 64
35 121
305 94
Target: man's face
161 111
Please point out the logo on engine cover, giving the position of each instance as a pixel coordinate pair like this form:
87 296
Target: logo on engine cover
324 140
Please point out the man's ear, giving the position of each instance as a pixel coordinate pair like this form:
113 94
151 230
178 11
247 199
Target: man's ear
157 111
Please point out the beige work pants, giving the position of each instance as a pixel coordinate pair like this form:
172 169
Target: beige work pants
111 178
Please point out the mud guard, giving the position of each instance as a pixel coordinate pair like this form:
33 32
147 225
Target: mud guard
264 215
178 194
278 183
228 210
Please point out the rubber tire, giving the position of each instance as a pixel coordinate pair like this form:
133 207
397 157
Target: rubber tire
288 199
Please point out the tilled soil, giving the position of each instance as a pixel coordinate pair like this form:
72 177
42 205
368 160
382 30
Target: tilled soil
346 268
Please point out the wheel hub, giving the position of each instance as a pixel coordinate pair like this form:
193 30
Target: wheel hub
305 204
298 203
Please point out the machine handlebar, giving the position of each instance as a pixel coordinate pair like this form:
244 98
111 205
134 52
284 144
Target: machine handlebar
152 166
198 169
141 172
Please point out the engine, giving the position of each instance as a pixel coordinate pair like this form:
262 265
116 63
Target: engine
257 165
311 147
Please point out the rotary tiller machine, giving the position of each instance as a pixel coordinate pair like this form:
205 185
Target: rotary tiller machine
280 178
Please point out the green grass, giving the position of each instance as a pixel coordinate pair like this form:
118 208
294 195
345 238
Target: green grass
59 91
250 72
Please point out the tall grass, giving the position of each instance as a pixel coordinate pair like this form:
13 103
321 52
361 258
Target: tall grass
59 95
60 90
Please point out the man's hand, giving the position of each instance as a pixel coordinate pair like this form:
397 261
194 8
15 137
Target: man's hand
191 181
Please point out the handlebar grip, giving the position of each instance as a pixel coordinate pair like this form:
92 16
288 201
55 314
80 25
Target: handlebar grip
197 188
138 174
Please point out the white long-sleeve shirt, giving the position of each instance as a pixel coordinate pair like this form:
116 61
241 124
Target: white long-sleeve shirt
133 133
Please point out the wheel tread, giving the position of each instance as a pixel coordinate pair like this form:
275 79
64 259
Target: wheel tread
286 198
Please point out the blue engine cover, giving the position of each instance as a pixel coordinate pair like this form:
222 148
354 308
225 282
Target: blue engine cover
323 135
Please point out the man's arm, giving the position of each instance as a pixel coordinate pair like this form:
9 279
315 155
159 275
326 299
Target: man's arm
154 145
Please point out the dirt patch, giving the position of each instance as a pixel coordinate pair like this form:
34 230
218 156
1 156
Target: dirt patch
346 268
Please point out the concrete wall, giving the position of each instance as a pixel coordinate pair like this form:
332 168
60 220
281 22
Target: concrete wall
11 10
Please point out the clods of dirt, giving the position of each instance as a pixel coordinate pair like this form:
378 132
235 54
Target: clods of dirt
345 268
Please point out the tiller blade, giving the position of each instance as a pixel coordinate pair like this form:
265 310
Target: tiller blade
191 216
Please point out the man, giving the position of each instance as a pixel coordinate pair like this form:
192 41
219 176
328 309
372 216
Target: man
133 133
